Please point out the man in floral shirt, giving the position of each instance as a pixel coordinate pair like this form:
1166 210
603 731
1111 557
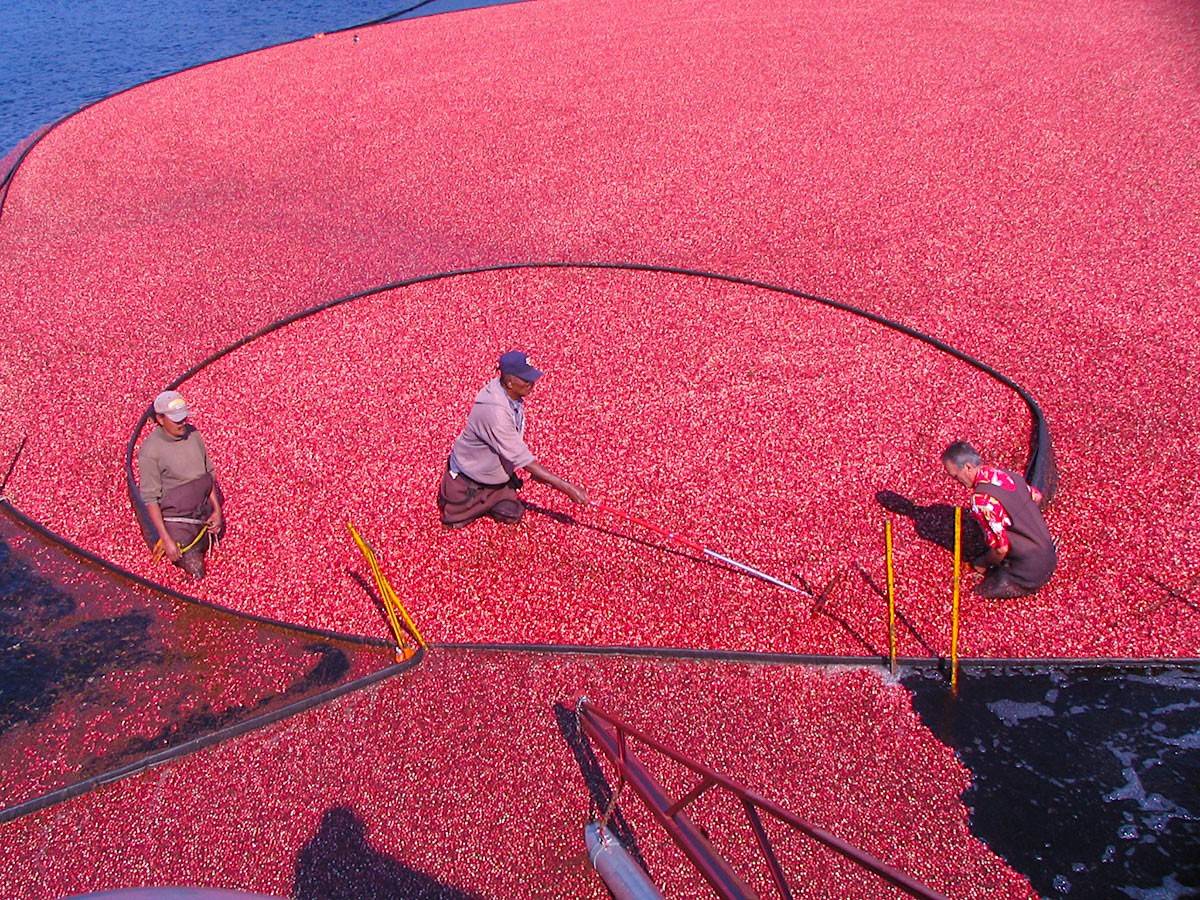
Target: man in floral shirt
1021 555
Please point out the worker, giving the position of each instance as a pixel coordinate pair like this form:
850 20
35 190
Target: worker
176 483
481 474
1021 555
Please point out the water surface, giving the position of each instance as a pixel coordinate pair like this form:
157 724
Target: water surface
58 55
1087 780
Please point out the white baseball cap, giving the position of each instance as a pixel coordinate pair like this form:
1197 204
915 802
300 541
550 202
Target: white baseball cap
172 405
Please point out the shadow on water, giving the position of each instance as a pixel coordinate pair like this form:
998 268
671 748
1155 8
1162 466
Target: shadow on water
659 545
1085 780
339 862
820 595
332 666
1173 595
821 608
904 621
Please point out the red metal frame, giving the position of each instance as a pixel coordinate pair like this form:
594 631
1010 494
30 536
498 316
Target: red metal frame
611 736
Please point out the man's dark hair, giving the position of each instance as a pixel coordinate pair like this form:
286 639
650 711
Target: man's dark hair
962 454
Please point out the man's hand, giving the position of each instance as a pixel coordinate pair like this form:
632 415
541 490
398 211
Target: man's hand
215 521
538 472
979 570
171 550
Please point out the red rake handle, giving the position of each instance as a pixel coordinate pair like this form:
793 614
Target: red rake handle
649 526
689 543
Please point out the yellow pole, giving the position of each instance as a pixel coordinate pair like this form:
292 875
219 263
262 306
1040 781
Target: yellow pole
891 597
381 584
412 626
954 602
387 594
369 555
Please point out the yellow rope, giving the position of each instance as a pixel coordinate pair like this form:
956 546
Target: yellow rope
158 550
891 596
203 532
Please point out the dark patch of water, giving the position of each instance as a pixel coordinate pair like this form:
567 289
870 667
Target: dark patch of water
97 672
1085 780
35 672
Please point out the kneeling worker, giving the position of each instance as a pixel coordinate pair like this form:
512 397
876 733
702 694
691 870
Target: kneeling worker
1021 555
177 486
480 478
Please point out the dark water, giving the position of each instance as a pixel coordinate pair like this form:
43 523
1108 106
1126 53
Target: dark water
57 55
1085 780
97 673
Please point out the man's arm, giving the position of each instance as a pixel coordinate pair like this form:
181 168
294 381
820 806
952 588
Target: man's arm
216 518
150 488
170 548
538 472
994 519
502 436
992 557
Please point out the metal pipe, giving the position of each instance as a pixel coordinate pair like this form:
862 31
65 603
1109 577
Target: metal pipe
687 836
750 570
764 847
624 878
653 795
693 545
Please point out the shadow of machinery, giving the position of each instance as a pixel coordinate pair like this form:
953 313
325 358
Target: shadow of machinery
600 792
339 863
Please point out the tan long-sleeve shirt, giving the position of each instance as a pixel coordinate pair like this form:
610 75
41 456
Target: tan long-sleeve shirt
165 462
492 445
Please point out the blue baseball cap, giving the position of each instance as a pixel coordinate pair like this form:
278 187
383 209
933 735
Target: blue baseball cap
514 362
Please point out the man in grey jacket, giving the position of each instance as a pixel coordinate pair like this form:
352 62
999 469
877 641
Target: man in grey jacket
177 486
480 477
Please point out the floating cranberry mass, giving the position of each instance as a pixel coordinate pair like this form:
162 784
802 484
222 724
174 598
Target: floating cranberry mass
1019 184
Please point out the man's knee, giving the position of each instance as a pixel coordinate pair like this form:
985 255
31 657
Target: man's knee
1000 585
508 512
192 562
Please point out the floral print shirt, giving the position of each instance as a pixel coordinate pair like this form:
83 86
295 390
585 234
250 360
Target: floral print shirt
990 512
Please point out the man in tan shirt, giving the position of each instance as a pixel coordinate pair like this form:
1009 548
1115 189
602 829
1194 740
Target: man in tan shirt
480 478
177 486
